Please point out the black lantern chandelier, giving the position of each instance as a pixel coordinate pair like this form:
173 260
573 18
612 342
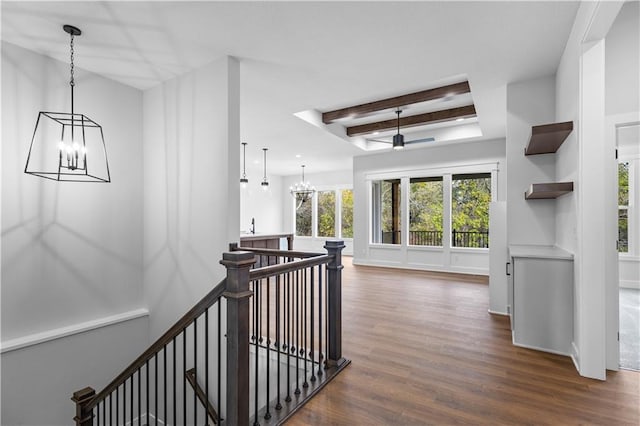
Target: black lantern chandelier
302 191
265 182
68 146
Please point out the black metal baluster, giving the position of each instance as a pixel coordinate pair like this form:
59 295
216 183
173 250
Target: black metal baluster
195 370
110 410
219 359
104 414
267 414
124 401
278 341
164 382
287 321
97 414
320 356
305 348
155 385
146 395
256 295
117 403
297 334
131 400
206 365
139 398
175 385
184 377
326 316
311 298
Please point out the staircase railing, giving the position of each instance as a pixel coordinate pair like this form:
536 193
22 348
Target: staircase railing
290 329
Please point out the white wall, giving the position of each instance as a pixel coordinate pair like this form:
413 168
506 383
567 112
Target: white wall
584 157
622 61
321 181
529 103
396 163
192 188
264 206
622 99
71 252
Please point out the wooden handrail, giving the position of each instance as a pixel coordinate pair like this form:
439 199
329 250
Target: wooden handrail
276 252
193 381
204 303
283 268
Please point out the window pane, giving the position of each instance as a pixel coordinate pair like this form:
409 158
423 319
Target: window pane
303 219
347 213
425 212
623 184
623 230
386 211
470 198
327 214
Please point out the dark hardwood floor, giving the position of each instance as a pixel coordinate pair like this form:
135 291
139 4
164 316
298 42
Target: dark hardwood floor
424 350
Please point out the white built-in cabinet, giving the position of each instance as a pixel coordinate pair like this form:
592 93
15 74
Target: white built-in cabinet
540 297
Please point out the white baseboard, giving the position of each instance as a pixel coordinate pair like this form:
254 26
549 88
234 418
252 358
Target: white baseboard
551 351
57 333
420 267
574 356
492 312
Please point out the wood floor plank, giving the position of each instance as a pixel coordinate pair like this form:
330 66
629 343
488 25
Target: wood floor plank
425 350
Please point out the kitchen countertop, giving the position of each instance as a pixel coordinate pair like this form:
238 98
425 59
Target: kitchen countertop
539 252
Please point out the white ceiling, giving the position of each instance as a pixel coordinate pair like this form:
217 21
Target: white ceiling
299 56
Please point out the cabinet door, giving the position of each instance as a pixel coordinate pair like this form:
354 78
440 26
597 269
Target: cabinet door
543 304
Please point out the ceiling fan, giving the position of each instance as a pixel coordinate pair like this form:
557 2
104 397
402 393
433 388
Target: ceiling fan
398 141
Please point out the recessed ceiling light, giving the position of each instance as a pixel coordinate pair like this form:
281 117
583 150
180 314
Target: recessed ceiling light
298 155
460 119
375 133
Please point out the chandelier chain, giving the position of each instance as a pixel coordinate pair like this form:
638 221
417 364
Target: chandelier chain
72 81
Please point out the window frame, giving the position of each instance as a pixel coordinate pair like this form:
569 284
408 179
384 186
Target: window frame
337 190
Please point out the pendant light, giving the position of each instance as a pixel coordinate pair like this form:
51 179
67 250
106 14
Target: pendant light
243 180
68 146
302 191
398 139
265 183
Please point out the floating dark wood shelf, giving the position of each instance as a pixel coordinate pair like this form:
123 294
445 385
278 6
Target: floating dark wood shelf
539 191
547 138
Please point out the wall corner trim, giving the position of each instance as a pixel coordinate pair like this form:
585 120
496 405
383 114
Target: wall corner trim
57 333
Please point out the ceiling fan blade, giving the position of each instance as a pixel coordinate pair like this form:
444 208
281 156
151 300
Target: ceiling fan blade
378 140
420 140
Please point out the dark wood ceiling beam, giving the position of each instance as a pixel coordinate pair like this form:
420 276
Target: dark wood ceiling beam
395 102
413 120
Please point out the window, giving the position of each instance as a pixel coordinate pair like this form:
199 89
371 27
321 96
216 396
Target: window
346 198
425 211
386 211
303 219
470 198
330 212
623 207
326 214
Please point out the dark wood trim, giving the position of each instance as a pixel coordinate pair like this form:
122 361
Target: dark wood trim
205 303
547 138
395 102
282 253
283 268
334 302
84 413
237 264
413 120
539 191
193 381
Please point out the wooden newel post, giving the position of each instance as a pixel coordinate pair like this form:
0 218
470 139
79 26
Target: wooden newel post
238 264
334 302
84 416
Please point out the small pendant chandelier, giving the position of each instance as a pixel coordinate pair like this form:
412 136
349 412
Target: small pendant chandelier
302 191
265 182
68 146
243 180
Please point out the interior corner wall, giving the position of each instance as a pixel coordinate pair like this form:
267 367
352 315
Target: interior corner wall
71 252
265 206
529 103
192 190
